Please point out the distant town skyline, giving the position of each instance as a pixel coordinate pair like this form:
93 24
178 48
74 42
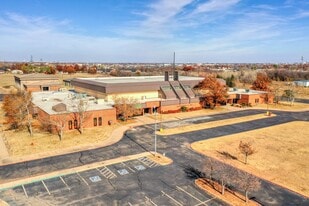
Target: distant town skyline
199 31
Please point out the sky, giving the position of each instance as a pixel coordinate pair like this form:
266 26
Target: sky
150 31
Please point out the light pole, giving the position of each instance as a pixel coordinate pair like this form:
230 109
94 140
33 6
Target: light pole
155 132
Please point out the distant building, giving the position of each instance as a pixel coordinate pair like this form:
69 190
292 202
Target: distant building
154 93
247 96
37 82
15 71
63 106
302 83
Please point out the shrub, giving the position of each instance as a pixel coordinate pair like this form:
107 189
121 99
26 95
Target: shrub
184 109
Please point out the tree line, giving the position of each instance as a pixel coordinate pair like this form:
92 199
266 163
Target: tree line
27 68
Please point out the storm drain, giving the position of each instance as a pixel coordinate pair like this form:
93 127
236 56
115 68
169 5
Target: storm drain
123 172
95 179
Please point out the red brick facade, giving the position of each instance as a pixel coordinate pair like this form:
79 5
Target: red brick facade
37 82
95 118
39 88
174 108
249 99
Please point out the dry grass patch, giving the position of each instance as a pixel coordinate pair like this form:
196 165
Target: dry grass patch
183 115
284 106
7 80
21 144
160 159
79 75
281 157
208 125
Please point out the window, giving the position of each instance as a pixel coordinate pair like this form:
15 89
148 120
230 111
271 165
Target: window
45 88
70 124
95 122
100 121
75 124
257 100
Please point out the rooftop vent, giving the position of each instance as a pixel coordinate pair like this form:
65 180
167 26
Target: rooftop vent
176 76
166 77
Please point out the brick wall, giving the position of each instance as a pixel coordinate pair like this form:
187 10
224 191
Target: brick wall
70 120
165 109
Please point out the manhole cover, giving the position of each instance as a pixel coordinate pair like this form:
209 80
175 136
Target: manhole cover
95 179
139 167
123 172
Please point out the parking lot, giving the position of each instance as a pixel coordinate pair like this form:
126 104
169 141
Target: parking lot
97 186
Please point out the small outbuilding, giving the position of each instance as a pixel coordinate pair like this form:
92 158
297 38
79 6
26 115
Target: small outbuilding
37 82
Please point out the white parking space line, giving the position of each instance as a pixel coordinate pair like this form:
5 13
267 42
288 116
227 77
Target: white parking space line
24 190
107 173
178 203
82 179
179 188
149 200
147 162
130 204
204 203
45 187
65 183
132 170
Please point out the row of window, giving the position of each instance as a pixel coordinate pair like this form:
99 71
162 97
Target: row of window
71 124
96 122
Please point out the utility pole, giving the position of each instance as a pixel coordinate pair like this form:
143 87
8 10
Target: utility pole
155 131
173 72
302 59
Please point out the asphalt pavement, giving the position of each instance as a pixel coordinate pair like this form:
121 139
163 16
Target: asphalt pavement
158 181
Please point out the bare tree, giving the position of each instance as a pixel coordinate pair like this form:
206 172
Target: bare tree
80 107
276 93
17 110
247 149
58 123
226 175
27 103
209 168
126 107
289 94
246 78
247 182
222 171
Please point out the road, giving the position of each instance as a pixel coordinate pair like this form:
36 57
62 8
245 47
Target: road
168 177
